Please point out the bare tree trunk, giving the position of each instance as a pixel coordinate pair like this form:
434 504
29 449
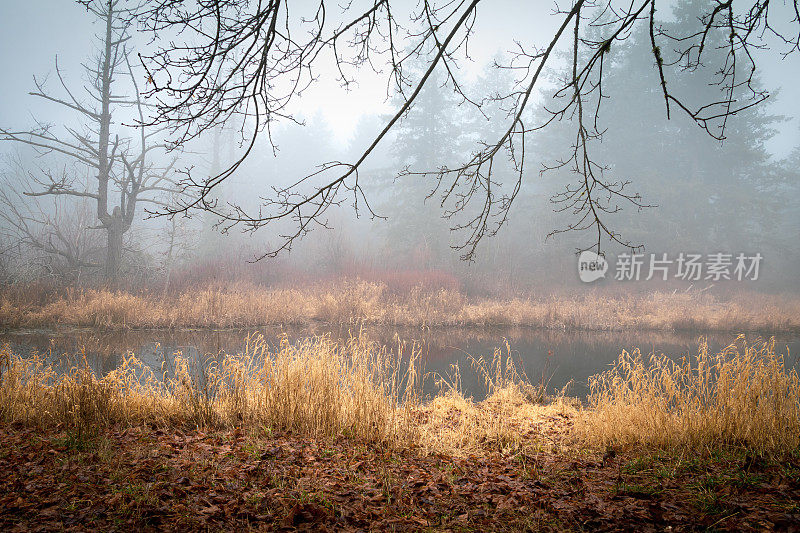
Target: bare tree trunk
113 256
111 223
115 231
168 259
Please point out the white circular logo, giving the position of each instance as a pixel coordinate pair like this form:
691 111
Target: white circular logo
591 266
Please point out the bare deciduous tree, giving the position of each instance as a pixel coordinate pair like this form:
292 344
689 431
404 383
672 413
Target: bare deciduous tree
122 174
219 58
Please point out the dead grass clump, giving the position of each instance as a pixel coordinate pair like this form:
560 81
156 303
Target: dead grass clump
513 416
349 302
504 422
425 308
316 387
96 308
742 396
24 381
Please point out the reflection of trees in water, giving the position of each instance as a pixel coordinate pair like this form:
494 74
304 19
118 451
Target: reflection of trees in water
555 356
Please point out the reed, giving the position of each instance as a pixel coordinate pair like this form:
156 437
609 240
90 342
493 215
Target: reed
243 305
742 396
316 387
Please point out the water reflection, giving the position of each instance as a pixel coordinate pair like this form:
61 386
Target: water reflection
555 357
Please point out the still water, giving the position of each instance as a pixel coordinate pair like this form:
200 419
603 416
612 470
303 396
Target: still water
558 358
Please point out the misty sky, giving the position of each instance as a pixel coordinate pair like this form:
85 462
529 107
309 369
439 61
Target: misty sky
33 32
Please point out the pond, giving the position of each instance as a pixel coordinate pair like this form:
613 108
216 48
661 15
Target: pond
558 358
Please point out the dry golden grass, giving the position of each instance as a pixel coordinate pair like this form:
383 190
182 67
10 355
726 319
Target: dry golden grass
514 415
742 396
507 421
243 305
316 387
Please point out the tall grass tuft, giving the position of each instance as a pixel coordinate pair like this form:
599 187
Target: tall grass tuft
512 417
741 396
316 387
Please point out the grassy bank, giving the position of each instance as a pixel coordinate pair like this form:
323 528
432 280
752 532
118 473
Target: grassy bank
743 396
242 306
334 436
316 387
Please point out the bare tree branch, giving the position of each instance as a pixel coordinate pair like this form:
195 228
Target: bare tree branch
218 58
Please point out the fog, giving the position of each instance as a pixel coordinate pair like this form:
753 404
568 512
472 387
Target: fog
701 196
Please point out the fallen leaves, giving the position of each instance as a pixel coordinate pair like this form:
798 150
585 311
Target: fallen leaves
149 478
